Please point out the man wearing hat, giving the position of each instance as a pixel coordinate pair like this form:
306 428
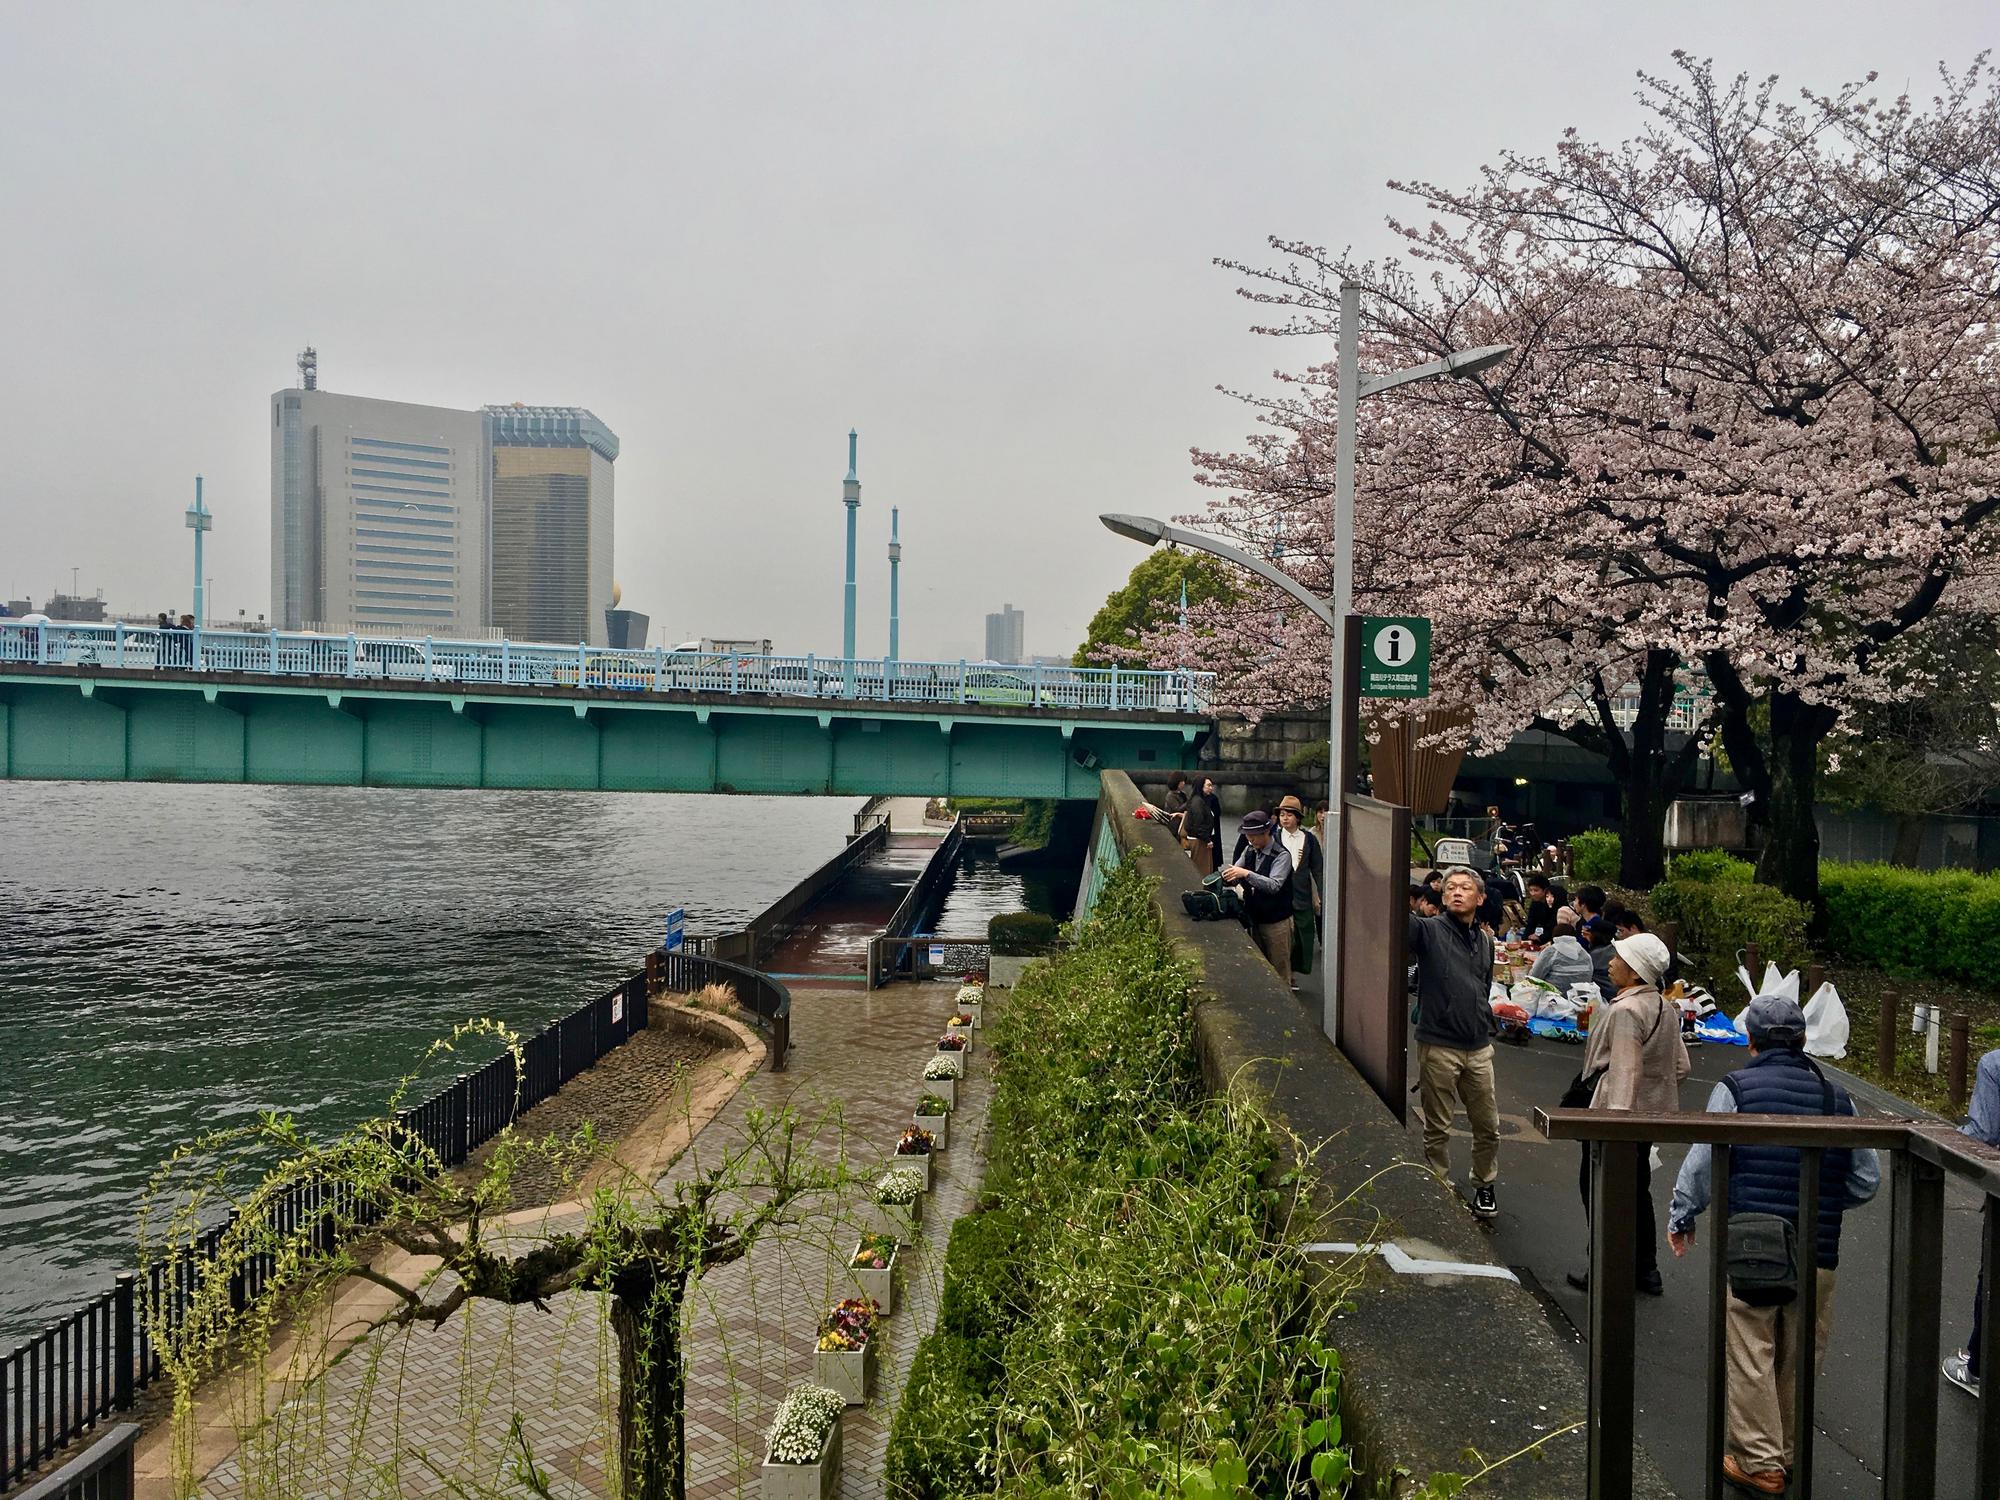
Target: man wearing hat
1263 876
1308 880
1764 1341
1634 1060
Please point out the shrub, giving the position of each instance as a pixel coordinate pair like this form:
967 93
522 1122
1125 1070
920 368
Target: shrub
1719 917
1940 923
1130 1312
1594 855
1710 864
1022 934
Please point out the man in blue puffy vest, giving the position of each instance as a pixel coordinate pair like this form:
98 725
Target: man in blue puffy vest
1764 1342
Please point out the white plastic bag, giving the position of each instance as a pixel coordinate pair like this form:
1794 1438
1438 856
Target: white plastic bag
1774 983
1826 1023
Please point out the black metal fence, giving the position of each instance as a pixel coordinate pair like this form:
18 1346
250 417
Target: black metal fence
61 1383
760 994
103 1471
1921 1155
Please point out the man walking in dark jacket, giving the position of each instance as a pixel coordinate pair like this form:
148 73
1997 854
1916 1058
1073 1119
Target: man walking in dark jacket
1454 958
1765 1343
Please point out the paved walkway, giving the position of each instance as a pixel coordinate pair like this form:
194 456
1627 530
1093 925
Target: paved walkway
429 1411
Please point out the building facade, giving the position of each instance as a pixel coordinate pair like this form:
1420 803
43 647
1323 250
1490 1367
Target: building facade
551 495
378 516
390 518
1006 635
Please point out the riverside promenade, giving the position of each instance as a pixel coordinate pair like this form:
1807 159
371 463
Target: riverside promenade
429 1411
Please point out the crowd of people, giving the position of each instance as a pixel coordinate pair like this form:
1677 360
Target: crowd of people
1634 1059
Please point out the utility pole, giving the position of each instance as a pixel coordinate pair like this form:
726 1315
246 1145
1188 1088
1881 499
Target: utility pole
895 562
200 521
850 495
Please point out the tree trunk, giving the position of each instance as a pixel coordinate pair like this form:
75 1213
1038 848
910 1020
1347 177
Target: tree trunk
1909 850
1642 847
1790 859
652 1380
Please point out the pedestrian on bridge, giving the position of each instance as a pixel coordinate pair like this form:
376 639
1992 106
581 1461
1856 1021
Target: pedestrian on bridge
1764 1340
1455 1030
1264 878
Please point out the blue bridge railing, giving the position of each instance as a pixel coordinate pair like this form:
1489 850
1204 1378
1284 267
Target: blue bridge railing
281 653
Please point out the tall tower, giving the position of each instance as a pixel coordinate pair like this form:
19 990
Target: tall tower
850 495
895 562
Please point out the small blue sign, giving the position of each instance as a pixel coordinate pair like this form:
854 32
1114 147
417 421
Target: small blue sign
676 930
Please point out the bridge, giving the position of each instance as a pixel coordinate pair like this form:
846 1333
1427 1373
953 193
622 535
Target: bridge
116 703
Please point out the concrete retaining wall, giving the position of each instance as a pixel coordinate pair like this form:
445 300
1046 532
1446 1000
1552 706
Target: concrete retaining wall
1431 1365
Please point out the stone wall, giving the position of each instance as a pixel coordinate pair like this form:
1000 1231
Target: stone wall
1429 1365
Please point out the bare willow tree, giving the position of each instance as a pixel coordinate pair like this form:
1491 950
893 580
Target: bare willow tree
313 1216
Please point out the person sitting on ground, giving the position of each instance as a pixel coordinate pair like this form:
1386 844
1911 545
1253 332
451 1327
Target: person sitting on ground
1540 923
1565 961
1600 934
1765 1340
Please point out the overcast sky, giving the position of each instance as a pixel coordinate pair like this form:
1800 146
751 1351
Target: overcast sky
980 233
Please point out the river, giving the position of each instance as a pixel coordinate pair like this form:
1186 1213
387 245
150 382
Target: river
176 958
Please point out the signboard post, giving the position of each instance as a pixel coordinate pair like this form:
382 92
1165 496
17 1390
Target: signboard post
1395 656
676 931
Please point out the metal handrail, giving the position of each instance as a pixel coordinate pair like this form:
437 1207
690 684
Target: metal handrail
1921 1153
103 1471
279 653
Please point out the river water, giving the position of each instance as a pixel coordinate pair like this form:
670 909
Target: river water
176 958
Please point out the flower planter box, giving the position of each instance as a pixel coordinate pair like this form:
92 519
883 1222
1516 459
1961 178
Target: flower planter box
945 1088
938 1125
891 1218
964 1031
974 1012
878 1284
851 1372
806 1481
919 1162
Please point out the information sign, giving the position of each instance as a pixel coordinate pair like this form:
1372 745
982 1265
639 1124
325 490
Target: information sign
937 955
676 931
1395 656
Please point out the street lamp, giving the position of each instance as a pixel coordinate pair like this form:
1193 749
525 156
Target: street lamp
1351 389
200 520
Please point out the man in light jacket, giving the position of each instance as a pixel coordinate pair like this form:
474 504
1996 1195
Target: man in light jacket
1455 1027
1765 1343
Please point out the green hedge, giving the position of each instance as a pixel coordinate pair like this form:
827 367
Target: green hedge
1594 856
1940 923
1128 1314
1021 934
1721 910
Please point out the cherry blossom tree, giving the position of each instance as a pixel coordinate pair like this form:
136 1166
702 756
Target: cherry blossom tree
1750 429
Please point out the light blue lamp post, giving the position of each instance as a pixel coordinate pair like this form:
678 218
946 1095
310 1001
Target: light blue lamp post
895 562
850 494
199 521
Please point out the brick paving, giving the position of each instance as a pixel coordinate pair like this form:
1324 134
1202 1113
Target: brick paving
428 1411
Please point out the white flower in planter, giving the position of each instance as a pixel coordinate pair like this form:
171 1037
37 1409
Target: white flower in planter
805 1417
943 1065
899 1187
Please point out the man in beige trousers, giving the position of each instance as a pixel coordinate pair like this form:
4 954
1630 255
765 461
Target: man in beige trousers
1454 958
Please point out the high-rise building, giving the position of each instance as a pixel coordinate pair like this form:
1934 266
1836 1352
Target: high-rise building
378 515
392 518
552 504
1005 636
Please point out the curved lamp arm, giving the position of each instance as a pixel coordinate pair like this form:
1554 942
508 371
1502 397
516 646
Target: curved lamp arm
1151 532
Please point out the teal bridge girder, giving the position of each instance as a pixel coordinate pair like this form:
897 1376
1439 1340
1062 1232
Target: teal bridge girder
100 723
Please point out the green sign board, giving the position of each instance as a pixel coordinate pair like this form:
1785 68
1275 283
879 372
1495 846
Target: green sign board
1395 656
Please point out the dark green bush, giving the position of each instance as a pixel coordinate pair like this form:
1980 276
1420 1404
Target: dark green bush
1131 1309
1718 917
1021 934
1594 856
1940 923
1710 864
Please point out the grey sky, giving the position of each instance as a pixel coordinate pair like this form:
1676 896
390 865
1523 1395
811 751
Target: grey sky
979 233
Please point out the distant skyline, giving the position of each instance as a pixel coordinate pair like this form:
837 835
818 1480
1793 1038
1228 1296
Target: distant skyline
982 238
